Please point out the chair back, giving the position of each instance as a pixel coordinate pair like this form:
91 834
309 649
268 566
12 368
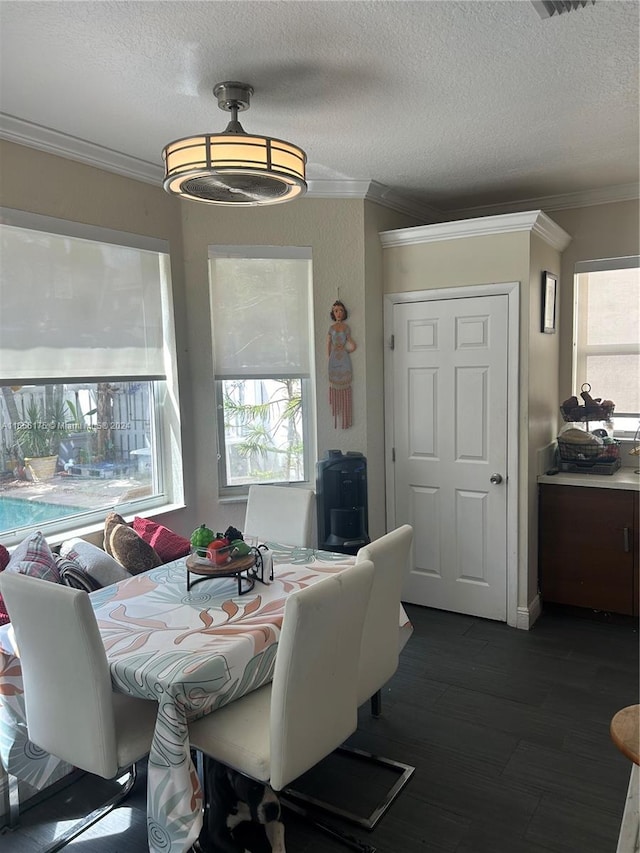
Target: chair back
67 686
280 514
380 641
313 694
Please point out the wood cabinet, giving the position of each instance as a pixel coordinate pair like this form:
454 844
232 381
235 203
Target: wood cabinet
588 547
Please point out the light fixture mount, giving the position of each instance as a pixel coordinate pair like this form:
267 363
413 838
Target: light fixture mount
234 168
233 95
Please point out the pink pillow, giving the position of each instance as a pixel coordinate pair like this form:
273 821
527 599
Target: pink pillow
167 544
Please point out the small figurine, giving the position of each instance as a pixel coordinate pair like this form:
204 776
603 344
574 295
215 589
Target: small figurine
339 347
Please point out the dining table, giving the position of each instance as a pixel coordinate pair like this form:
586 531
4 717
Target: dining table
192 651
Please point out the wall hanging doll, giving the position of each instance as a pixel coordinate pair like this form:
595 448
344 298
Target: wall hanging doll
339 347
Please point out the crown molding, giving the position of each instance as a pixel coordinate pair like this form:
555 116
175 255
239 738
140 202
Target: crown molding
585 198
343 188
381 194
53 142
534 221
70 147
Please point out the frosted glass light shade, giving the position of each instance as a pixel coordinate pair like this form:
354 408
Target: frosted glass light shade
234 169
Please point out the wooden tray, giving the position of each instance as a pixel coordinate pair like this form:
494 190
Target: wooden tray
233 569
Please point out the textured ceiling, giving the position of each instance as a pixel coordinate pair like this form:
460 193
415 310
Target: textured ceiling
452 105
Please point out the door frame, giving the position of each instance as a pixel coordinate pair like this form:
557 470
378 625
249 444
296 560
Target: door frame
512 291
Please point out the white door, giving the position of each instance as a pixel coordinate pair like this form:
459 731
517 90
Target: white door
449 367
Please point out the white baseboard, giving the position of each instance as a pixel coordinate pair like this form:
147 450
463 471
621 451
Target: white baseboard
527 616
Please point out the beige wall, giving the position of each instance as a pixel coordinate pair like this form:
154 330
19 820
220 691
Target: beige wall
376 219
335 230
516 256
346 260
347 256
542 400
601 231
455 263
41 183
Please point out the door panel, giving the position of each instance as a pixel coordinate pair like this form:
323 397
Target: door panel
422 406
450 434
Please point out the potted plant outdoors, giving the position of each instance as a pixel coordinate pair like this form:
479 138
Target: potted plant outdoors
76 444
39 437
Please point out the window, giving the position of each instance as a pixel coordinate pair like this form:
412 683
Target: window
87 367
261 324
607 335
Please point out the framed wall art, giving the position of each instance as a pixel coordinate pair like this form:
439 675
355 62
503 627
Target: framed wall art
549 290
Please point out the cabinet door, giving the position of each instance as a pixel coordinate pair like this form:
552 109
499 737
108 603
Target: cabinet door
586 547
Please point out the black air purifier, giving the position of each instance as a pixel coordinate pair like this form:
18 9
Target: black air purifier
341 501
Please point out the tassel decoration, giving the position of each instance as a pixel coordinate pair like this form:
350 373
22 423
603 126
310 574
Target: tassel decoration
340 402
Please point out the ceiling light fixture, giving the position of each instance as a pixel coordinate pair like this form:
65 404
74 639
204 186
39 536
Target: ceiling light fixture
234 168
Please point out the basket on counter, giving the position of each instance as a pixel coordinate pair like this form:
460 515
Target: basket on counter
592 410
588 452
580 414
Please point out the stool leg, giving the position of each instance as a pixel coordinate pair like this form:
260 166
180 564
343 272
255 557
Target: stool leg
629 839
376 704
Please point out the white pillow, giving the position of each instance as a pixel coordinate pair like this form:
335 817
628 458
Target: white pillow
96 562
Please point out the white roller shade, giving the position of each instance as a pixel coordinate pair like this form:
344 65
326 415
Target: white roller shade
260 316
72 307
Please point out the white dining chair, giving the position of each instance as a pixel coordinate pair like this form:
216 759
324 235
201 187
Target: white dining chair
279 731
280 514
380 647
71 710
379 655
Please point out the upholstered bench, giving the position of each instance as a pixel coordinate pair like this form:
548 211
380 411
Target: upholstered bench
25 770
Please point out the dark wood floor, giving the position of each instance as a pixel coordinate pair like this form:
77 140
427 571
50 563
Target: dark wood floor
508 730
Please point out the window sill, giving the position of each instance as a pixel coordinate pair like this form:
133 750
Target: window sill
94 532
224 498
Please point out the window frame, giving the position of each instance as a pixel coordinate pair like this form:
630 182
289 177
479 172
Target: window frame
227 491
581 352
164 414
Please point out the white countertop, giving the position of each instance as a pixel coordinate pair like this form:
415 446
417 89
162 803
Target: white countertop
624 478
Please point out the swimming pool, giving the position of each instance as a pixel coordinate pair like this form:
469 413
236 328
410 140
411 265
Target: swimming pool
15 512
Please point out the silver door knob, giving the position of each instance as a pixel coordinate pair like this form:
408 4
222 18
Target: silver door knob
496 479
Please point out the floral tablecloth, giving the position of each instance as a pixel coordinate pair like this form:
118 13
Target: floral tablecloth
191 652
29 765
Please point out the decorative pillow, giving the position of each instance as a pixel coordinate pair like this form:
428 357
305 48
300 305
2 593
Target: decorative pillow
129 549
167 544
74 575
93 560
33 557
5 556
